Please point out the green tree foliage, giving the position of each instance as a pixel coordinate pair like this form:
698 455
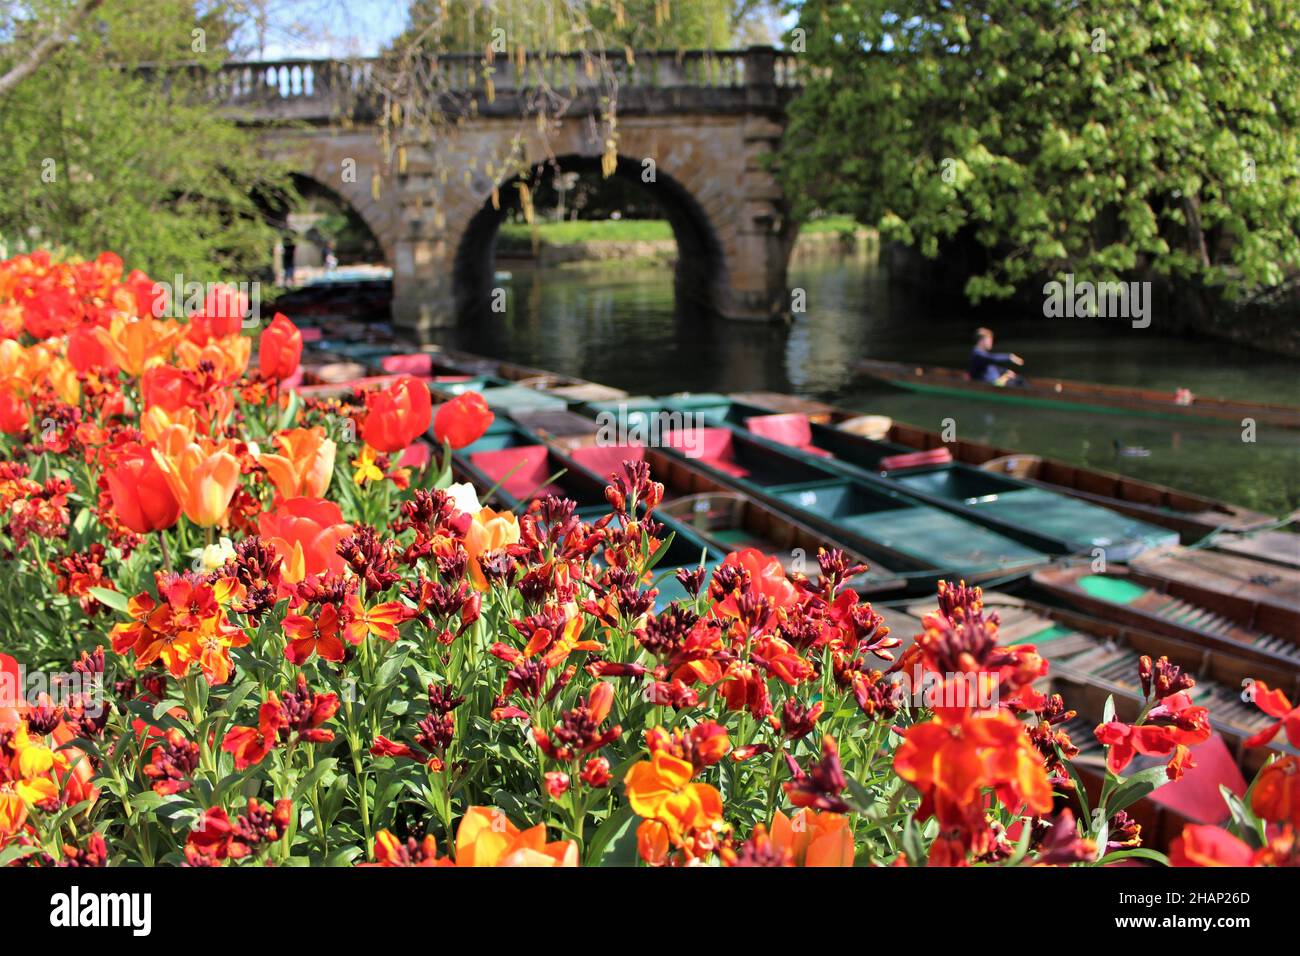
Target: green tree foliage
569 25
1102 137
97 153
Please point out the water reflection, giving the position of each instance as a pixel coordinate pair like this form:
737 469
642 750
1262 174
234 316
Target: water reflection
618 325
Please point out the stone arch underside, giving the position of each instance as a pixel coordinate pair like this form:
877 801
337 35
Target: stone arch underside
322 155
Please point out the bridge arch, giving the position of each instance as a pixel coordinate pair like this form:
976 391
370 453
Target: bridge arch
701 260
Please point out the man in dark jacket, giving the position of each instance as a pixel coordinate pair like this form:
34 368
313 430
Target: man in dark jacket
986 365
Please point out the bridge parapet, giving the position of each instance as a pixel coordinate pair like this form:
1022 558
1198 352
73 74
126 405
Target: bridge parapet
647 81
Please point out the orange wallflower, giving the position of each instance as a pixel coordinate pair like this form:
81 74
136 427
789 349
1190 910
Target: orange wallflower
1275 704
814 839
305 465
661 792
203 476
953 757
486 837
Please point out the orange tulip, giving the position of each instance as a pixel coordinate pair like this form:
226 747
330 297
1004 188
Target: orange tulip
137 344
304 468
305 532
202 476
398 415
489 531
814 839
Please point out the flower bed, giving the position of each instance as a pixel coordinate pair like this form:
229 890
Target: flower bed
263 638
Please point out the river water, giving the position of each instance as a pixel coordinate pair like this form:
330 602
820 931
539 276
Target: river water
618 325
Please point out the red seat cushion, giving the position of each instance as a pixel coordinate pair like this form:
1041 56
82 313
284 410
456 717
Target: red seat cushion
529 465
417 363
604 460
788 429
916 459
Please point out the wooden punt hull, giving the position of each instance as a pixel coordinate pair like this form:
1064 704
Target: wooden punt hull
1190 614
1191 515
728 520
1064 393
1267 596
1275 547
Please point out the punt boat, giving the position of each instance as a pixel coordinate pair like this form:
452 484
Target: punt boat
1064 393
1193 516
517 467
728 520
1196 615
1034 516
883 523
1274 546
1266 595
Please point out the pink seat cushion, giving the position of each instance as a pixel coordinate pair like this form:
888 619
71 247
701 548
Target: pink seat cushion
528 463
713 446
417 363
311 334
415 456
451 379
604 460
916 459
788 429
1196 794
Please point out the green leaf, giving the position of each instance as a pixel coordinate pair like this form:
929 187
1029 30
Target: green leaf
1137 853
313 776
1134 788
114 599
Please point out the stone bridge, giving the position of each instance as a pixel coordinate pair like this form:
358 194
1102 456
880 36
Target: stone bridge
703 123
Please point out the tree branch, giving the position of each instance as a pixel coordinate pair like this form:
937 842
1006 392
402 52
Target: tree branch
47 46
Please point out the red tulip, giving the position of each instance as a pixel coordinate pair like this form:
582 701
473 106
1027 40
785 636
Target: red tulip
463 420
142 499
398 415
279 349
86 350
14 414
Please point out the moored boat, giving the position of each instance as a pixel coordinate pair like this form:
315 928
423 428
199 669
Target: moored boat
1064 393
1034 516
1197 616
1191 515
882 523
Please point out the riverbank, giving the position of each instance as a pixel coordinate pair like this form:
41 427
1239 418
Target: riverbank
579 243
